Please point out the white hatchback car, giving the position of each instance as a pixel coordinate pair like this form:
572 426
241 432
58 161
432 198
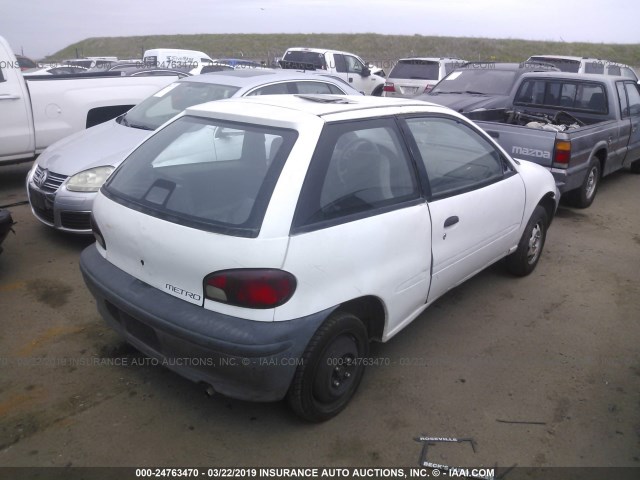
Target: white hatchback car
257 245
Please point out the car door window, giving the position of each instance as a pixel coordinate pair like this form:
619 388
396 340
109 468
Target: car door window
634 98
456 158
358 169
353 64
622 98
340 63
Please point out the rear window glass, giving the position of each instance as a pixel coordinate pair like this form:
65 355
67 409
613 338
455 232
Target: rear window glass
205 173
415 70
565 95
303 60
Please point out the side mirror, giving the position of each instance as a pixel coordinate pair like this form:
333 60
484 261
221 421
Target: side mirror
365 72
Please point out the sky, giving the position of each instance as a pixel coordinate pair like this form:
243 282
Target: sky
41 27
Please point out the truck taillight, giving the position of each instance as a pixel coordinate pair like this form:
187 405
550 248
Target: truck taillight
250 288
428 88
562 153
388 87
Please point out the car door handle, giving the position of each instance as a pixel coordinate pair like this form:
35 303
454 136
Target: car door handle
451 221
9 97
350 80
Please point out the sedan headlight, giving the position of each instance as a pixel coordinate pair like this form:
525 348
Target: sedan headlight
90 180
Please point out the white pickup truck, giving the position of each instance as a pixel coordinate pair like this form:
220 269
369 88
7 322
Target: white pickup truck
38 111
347 66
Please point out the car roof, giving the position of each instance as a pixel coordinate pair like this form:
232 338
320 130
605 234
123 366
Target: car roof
432 59
314 105
584 77
582 59
249 77
319 50
523 66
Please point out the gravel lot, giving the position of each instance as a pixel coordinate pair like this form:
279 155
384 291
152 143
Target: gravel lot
558 350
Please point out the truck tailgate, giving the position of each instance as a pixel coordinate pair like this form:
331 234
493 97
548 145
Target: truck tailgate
522 142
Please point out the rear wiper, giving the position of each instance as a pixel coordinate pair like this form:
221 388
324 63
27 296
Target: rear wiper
472 92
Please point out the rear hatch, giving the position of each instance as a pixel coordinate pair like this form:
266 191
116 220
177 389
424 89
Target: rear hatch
190 201
410 77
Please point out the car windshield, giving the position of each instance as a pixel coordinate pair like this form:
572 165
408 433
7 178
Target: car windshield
205 173
481 81
171 100
415 70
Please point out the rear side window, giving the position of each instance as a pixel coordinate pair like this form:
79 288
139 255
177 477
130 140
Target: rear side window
416 70
627 72
359 169
594 67
614 70
204 173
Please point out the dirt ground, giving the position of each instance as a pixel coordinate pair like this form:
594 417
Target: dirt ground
539 371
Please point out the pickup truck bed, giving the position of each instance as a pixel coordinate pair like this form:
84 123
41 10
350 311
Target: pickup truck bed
580 142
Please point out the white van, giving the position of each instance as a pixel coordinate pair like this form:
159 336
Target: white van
175 58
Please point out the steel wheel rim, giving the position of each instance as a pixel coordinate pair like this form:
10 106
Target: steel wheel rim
336 376
535 244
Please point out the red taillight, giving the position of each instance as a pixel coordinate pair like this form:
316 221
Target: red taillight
562 153
428 88
251 288
388 87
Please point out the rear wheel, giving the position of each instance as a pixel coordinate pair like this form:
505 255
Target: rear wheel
635 167
524 260
331 368
583 196
377 92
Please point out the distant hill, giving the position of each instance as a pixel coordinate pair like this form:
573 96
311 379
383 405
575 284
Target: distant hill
383 50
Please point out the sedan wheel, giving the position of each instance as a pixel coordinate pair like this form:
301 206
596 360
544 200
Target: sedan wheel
524 260
331 368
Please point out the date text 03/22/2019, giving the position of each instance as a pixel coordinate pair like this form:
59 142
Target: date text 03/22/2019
290 473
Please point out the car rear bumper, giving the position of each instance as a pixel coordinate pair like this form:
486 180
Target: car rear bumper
239 358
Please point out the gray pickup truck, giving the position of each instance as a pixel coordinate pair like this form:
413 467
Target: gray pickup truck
580 127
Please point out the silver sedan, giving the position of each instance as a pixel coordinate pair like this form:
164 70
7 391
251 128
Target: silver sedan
65 178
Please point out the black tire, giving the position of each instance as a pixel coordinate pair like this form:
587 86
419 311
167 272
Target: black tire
635 167
583 197
331 368
377 92
524 260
